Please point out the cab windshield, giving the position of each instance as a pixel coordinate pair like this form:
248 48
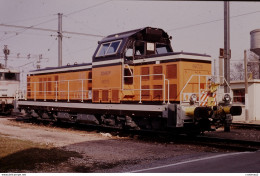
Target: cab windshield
109 48
10 76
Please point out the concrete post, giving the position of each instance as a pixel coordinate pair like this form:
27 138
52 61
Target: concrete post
60 39
246 90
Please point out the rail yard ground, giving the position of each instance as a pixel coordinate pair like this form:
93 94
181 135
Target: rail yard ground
27 147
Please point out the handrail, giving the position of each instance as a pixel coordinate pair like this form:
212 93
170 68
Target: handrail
68 91
57 92
199 93
140 87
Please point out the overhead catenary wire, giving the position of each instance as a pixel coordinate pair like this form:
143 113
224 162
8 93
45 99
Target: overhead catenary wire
46 30
34 27
27 33
80 10
24 28
51 30
82 22
24 57
30 19
32 62
212 21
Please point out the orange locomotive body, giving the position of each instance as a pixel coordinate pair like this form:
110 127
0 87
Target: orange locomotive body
61 84
135 80
144 77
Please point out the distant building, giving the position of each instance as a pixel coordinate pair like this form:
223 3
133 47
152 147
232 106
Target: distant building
238 88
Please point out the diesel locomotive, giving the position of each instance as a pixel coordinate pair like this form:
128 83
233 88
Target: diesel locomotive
135 81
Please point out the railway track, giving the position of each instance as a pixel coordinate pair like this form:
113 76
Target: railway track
224 143
158 137
246 126
201 140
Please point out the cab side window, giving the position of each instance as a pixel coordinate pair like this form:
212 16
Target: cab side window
162 48
139 48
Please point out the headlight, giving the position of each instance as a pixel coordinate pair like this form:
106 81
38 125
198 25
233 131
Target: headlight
227 98
193 99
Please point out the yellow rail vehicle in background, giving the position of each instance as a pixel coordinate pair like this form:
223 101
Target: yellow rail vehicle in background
136 81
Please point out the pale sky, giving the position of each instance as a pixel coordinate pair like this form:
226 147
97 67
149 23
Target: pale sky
196 27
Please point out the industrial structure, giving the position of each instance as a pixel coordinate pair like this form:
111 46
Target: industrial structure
246 91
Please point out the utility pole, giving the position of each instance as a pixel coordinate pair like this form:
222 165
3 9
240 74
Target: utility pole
6 52
226 46
60 39
246 89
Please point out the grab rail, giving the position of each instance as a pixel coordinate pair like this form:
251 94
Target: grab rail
140 87
44 91
219 79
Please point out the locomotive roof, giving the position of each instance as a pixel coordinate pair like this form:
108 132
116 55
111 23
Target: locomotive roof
119 35
65 68
127 34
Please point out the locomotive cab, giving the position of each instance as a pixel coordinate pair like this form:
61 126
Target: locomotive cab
140 66
131 45
147 43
